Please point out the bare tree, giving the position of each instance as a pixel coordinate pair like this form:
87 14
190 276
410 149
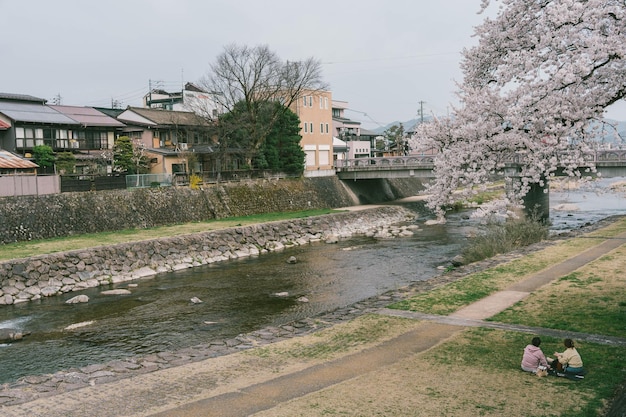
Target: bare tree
256 75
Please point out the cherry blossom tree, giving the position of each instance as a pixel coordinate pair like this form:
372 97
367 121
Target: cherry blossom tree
535 85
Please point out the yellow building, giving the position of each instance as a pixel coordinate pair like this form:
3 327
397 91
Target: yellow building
316 128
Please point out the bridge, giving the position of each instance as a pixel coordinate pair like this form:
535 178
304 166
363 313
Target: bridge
609 163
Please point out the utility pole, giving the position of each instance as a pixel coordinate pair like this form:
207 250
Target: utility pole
421 111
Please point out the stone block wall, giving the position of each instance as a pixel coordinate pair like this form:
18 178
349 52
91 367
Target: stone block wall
23 280
49 216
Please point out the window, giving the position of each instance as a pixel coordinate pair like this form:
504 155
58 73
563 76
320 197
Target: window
321 127
62 139
324 157
304 101
326 127
310 101
321 102
311 126
325 102
306 127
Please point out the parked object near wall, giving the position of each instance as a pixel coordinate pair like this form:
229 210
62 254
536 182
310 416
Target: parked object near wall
24 280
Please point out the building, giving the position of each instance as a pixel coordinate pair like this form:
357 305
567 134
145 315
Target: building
190 98
359 142
27 121
168 137
344 128
315 113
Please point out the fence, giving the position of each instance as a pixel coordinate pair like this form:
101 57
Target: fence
17 185
77 183
148 180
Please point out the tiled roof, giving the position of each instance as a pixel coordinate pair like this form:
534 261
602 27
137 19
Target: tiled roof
21 97
169 117
9 160
88 116
21 111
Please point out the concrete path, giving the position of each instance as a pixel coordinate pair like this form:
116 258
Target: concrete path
179 391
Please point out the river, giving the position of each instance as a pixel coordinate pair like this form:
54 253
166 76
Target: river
240 296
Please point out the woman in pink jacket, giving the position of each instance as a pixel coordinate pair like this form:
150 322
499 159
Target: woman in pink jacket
533 356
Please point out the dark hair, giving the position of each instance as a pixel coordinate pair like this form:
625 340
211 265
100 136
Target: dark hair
536 341
569 343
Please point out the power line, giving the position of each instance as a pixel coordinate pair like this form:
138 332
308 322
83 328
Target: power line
355 61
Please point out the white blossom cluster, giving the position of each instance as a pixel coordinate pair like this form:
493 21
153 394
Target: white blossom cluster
541 76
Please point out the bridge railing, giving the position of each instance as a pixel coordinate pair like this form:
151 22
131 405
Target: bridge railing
385 162
600 157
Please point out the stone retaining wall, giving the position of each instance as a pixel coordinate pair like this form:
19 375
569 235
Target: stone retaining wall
23 280
43 217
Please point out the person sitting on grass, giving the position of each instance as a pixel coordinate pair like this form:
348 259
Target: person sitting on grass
533 357
569 360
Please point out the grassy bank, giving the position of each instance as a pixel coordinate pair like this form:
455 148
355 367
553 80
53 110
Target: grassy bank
477 371
40 247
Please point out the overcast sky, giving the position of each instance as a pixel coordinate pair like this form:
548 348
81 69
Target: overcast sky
382 57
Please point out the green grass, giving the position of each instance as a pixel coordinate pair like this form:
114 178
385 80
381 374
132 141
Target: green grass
40 247
489 348
453 296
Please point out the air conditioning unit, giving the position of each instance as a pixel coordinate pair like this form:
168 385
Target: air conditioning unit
182 146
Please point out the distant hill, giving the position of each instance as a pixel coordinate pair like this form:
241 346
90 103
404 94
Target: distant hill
609 137
408 125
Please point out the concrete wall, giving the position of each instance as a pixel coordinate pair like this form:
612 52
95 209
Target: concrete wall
31 217
18 185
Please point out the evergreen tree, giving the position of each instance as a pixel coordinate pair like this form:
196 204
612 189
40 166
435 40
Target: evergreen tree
128 158
43 155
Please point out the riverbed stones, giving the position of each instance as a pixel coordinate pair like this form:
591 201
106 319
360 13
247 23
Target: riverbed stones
119 291
78 299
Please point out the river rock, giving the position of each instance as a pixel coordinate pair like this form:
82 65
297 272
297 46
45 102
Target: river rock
79 325
292 260
195 300
457 261
78 299
332 239
116 292
10 335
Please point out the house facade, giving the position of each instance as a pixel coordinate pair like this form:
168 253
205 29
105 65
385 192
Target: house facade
314 109
344 128
175 142
27 121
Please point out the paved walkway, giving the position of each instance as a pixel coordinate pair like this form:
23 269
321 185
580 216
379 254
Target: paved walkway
177 392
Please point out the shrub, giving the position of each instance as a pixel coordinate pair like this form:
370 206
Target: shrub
195 181
505 237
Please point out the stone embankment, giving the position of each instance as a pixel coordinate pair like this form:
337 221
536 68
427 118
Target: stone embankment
32 387
24 280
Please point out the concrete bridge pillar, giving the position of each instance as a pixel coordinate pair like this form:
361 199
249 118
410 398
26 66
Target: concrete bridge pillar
537 202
